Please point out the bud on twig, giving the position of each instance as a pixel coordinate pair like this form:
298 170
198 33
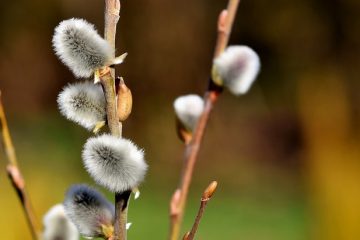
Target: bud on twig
183 133
186 236
210 190
124 101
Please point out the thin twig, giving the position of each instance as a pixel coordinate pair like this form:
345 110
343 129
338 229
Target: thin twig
191 152
203 202
225 22
112 15
16 177
224 28
8 145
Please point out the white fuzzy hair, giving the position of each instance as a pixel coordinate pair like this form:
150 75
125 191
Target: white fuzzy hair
58 226
83 103
88 210
238 67
115 163
80 47
188 109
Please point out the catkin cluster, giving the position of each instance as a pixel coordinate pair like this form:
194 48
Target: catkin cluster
114 162
236 69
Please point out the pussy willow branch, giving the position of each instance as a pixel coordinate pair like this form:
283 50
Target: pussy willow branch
16 177
112 15
190 235
205 198
224 28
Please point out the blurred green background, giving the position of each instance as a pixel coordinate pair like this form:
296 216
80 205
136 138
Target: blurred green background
286 155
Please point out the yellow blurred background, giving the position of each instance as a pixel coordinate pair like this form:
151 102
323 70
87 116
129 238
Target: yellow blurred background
286 155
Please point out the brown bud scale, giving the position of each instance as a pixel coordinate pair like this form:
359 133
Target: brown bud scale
124 101
210 190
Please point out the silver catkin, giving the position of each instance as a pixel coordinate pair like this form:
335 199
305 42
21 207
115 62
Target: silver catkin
115 163
188 109
238 67
83 103
58 226
80 47
88 210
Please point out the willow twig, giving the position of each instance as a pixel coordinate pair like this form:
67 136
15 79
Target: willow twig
112 16
16 177
203 202
108 83
225 22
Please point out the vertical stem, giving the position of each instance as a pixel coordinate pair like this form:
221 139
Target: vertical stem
108 83
191 153
225 23
121 206
16 177
112 15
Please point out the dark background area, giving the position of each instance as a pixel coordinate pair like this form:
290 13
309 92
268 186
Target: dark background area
286 155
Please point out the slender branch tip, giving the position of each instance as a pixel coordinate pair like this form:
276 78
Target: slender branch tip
210 190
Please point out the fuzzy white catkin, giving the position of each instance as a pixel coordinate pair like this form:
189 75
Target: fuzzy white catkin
58 226
80 47
238 67
83 103
188 109
115 163
88 210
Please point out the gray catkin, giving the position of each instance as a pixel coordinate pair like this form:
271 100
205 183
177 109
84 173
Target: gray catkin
83 103
80 47
115 163
88 210
238 67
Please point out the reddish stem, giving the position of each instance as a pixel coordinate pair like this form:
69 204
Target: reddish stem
225 23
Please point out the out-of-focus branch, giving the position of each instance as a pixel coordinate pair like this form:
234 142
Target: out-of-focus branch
224 28
174 207
225 22
208 193
16 177
8 145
